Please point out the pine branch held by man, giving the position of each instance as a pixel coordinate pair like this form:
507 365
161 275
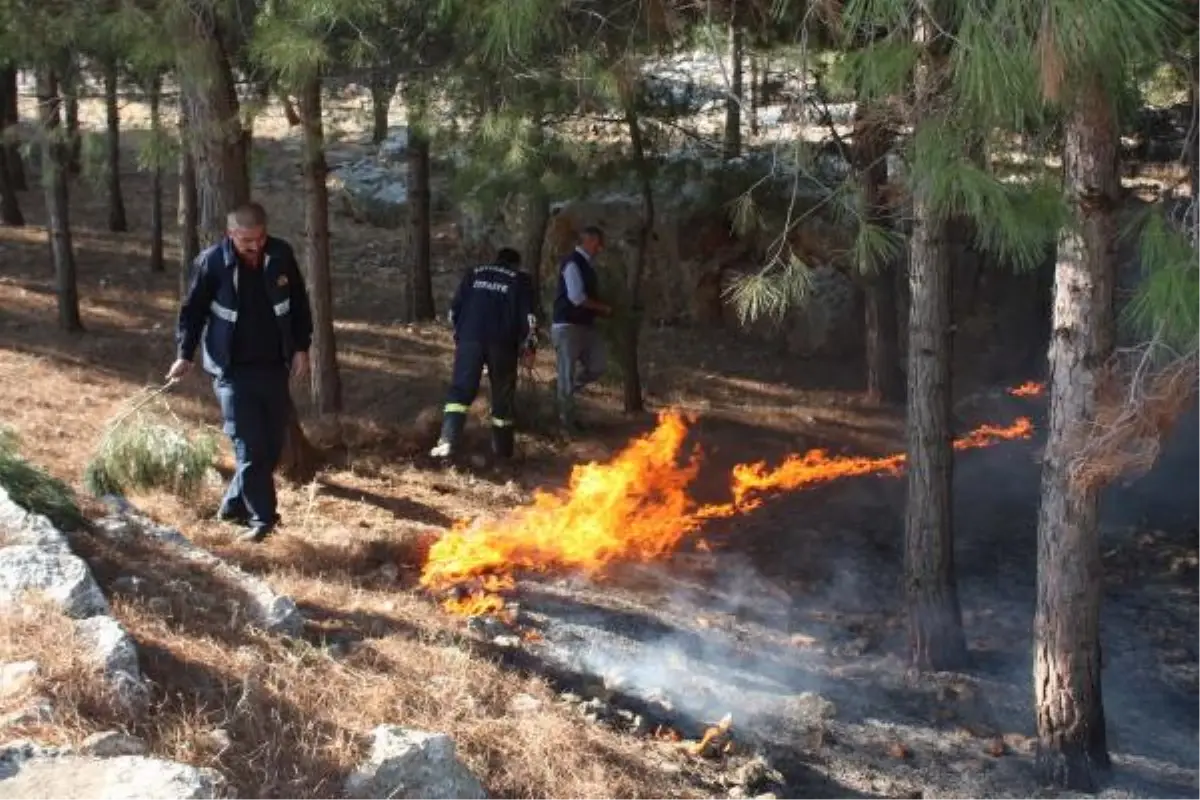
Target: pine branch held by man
247 311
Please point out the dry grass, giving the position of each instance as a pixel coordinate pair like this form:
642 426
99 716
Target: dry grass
285 718
81 701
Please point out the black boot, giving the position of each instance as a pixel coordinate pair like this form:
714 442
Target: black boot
502 441
453 423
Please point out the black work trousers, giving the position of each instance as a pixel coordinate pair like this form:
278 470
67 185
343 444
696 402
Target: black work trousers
470 358
254 405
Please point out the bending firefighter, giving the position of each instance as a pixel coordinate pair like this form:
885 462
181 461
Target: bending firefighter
494 326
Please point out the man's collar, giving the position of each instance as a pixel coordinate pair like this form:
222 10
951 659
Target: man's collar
586 256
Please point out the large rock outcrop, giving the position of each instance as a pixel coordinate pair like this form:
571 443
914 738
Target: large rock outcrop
32 773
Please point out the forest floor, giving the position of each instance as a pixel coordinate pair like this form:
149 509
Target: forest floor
791 620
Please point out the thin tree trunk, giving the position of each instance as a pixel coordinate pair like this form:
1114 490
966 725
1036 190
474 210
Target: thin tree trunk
1072 743
157 261
755 93
117 221
10 116
10 206
383 88
884 378
936 636
54 182
289 110
187 213
538 217
420 211
69 86
631 323
733 103
326 380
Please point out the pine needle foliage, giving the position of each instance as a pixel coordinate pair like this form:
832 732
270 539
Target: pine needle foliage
33 489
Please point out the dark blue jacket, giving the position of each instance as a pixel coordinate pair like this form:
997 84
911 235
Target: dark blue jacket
493 305
209 311
564 309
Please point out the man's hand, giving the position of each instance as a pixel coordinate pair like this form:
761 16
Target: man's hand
299 365
178 369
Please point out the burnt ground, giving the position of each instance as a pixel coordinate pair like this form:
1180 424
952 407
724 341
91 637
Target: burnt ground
801 596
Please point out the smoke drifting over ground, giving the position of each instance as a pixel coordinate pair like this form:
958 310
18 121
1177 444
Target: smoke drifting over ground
803 596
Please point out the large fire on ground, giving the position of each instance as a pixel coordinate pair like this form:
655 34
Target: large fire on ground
634 508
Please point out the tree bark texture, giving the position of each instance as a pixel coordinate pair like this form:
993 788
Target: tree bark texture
1072 746
755 94
935 629
10 115
10 204
420 282
215 136
885 381
117 221
157 260
631 324
733 103
54 182
187 212
326 380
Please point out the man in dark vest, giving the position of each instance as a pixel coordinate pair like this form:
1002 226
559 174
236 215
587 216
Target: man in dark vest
247 309
492 314
578 347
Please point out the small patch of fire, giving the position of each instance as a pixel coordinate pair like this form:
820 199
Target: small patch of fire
717 740
1028 389
634 509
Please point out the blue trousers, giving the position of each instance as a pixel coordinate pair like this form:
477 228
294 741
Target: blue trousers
254 405
470 358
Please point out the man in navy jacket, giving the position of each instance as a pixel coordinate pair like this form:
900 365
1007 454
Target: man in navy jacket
247 310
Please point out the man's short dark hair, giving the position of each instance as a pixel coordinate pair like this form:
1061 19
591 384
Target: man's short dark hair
594 231
508 257
247 215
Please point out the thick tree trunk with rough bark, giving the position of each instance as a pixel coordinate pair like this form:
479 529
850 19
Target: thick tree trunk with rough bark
216 138
935 629
420 283
885 382
10 204
326 380
117 221
631 324
157 260
1072 745
733 103
54 181
10 142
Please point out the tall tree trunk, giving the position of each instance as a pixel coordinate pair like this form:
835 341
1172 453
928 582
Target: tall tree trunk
326 381
936 636
755 94
157 260
10 206
117 221
631 322
884 379
216 137
383 88
10 116
187 212
1072 745
54 182
537 218
733 102
70 86
419 208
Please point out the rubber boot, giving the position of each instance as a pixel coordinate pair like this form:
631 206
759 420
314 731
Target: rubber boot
453 423
502 441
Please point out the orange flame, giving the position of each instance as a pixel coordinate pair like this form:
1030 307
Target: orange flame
1027 389
634 508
